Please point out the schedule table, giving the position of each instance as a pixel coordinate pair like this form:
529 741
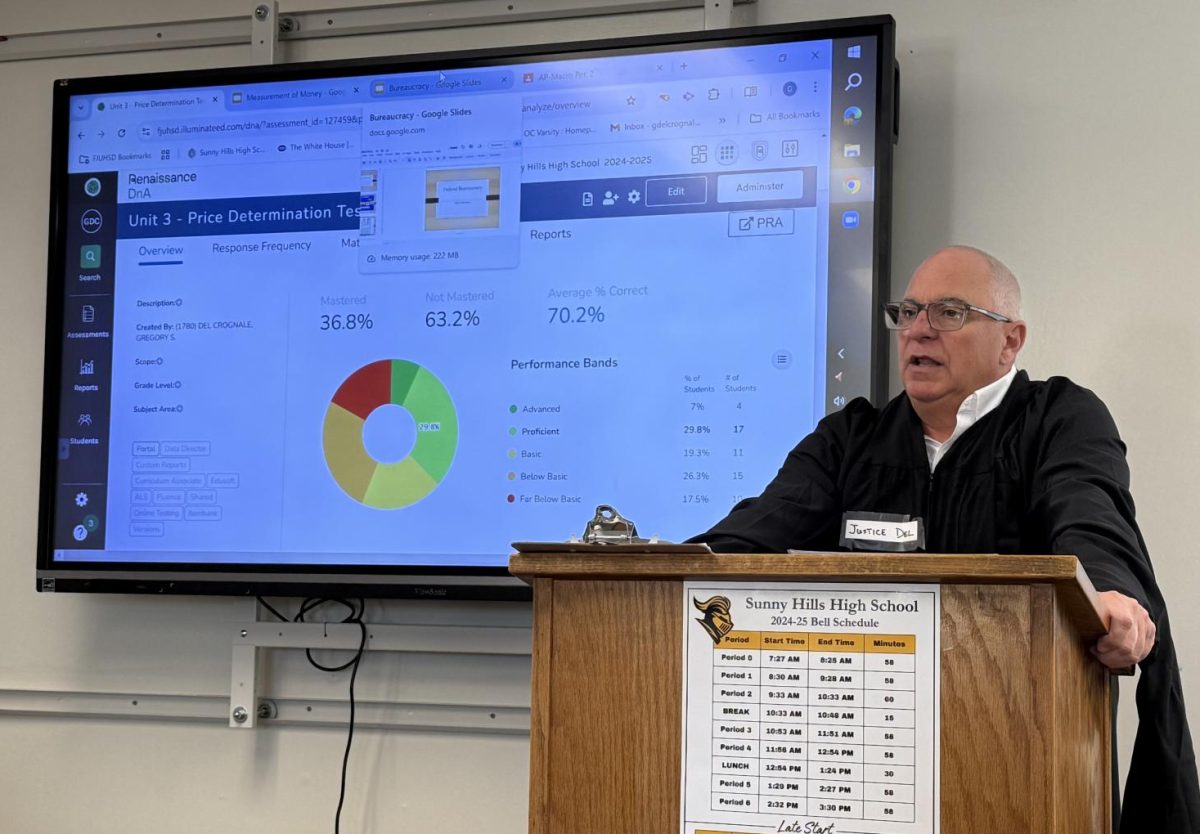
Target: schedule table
815 723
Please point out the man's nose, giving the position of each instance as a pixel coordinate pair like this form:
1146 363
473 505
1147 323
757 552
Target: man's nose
921 328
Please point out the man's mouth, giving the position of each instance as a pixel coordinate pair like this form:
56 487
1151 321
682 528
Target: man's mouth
924 362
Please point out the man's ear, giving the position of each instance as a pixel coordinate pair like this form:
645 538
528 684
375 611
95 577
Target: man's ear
1014 340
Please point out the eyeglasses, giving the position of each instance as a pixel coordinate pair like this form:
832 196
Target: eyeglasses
943 315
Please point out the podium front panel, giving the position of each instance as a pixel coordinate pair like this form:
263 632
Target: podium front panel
1025 725
610 710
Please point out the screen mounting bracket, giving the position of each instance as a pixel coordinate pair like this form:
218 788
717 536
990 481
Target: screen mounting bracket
264 32
718 14
245 705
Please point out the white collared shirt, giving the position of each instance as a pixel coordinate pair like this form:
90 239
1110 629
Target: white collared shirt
971 411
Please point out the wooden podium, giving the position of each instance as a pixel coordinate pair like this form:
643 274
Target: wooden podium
1025 722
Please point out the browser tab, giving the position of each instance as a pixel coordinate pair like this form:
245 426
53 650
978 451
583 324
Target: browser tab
441 83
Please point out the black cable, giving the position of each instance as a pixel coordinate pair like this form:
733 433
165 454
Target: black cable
355 616
267 606
337 819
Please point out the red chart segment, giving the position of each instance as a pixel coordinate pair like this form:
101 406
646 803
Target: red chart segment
366 389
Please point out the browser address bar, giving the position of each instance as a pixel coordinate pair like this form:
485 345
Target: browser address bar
256 125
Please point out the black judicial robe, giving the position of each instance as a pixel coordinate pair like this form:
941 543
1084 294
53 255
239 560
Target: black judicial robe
1044 472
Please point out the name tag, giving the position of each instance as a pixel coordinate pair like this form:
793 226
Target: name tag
881 531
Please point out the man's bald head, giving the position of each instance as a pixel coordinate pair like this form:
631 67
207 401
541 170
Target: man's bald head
1002 286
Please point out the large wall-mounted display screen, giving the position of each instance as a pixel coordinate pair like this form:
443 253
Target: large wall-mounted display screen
367 324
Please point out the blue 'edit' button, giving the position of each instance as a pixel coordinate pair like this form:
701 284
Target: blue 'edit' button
677 191
755 223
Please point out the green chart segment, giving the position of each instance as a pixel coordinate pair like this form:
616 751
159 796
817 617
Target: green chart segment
389 486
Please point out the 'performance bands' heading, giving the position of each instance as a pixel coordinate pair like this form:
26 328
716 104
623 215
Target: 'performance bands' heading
239 216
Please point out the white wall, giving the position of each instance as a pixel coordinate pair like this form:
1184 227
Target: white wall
1056 134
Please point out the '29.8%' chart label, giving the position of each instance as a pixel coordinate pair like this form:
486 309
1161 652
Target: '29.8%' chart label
810 708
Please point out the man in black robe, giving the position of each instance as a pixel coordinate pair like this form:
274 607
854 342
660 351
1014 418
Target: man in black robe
992 462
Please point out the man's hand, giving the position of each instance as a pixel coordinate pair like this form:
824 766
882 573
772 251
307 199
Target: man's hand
1130 631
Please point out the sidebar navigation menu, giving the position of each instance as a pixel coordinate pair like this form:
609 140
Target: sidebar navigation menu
88 282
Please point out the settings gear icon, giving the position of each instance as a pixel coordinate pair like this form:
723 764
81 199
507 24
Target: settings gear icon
81 499
634 196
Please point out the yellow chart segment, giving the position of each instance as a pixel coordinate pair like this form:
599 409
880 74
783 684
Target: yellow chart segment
398 484
405 482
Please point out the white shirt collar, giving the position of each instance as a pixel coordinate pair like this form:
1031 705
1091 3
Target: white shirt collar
972 410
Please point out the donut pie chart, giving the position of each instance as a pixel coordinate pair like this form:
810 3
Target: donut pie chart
390 485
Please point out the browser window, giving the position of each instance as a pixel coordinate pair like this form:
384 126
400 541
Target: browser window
323 321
